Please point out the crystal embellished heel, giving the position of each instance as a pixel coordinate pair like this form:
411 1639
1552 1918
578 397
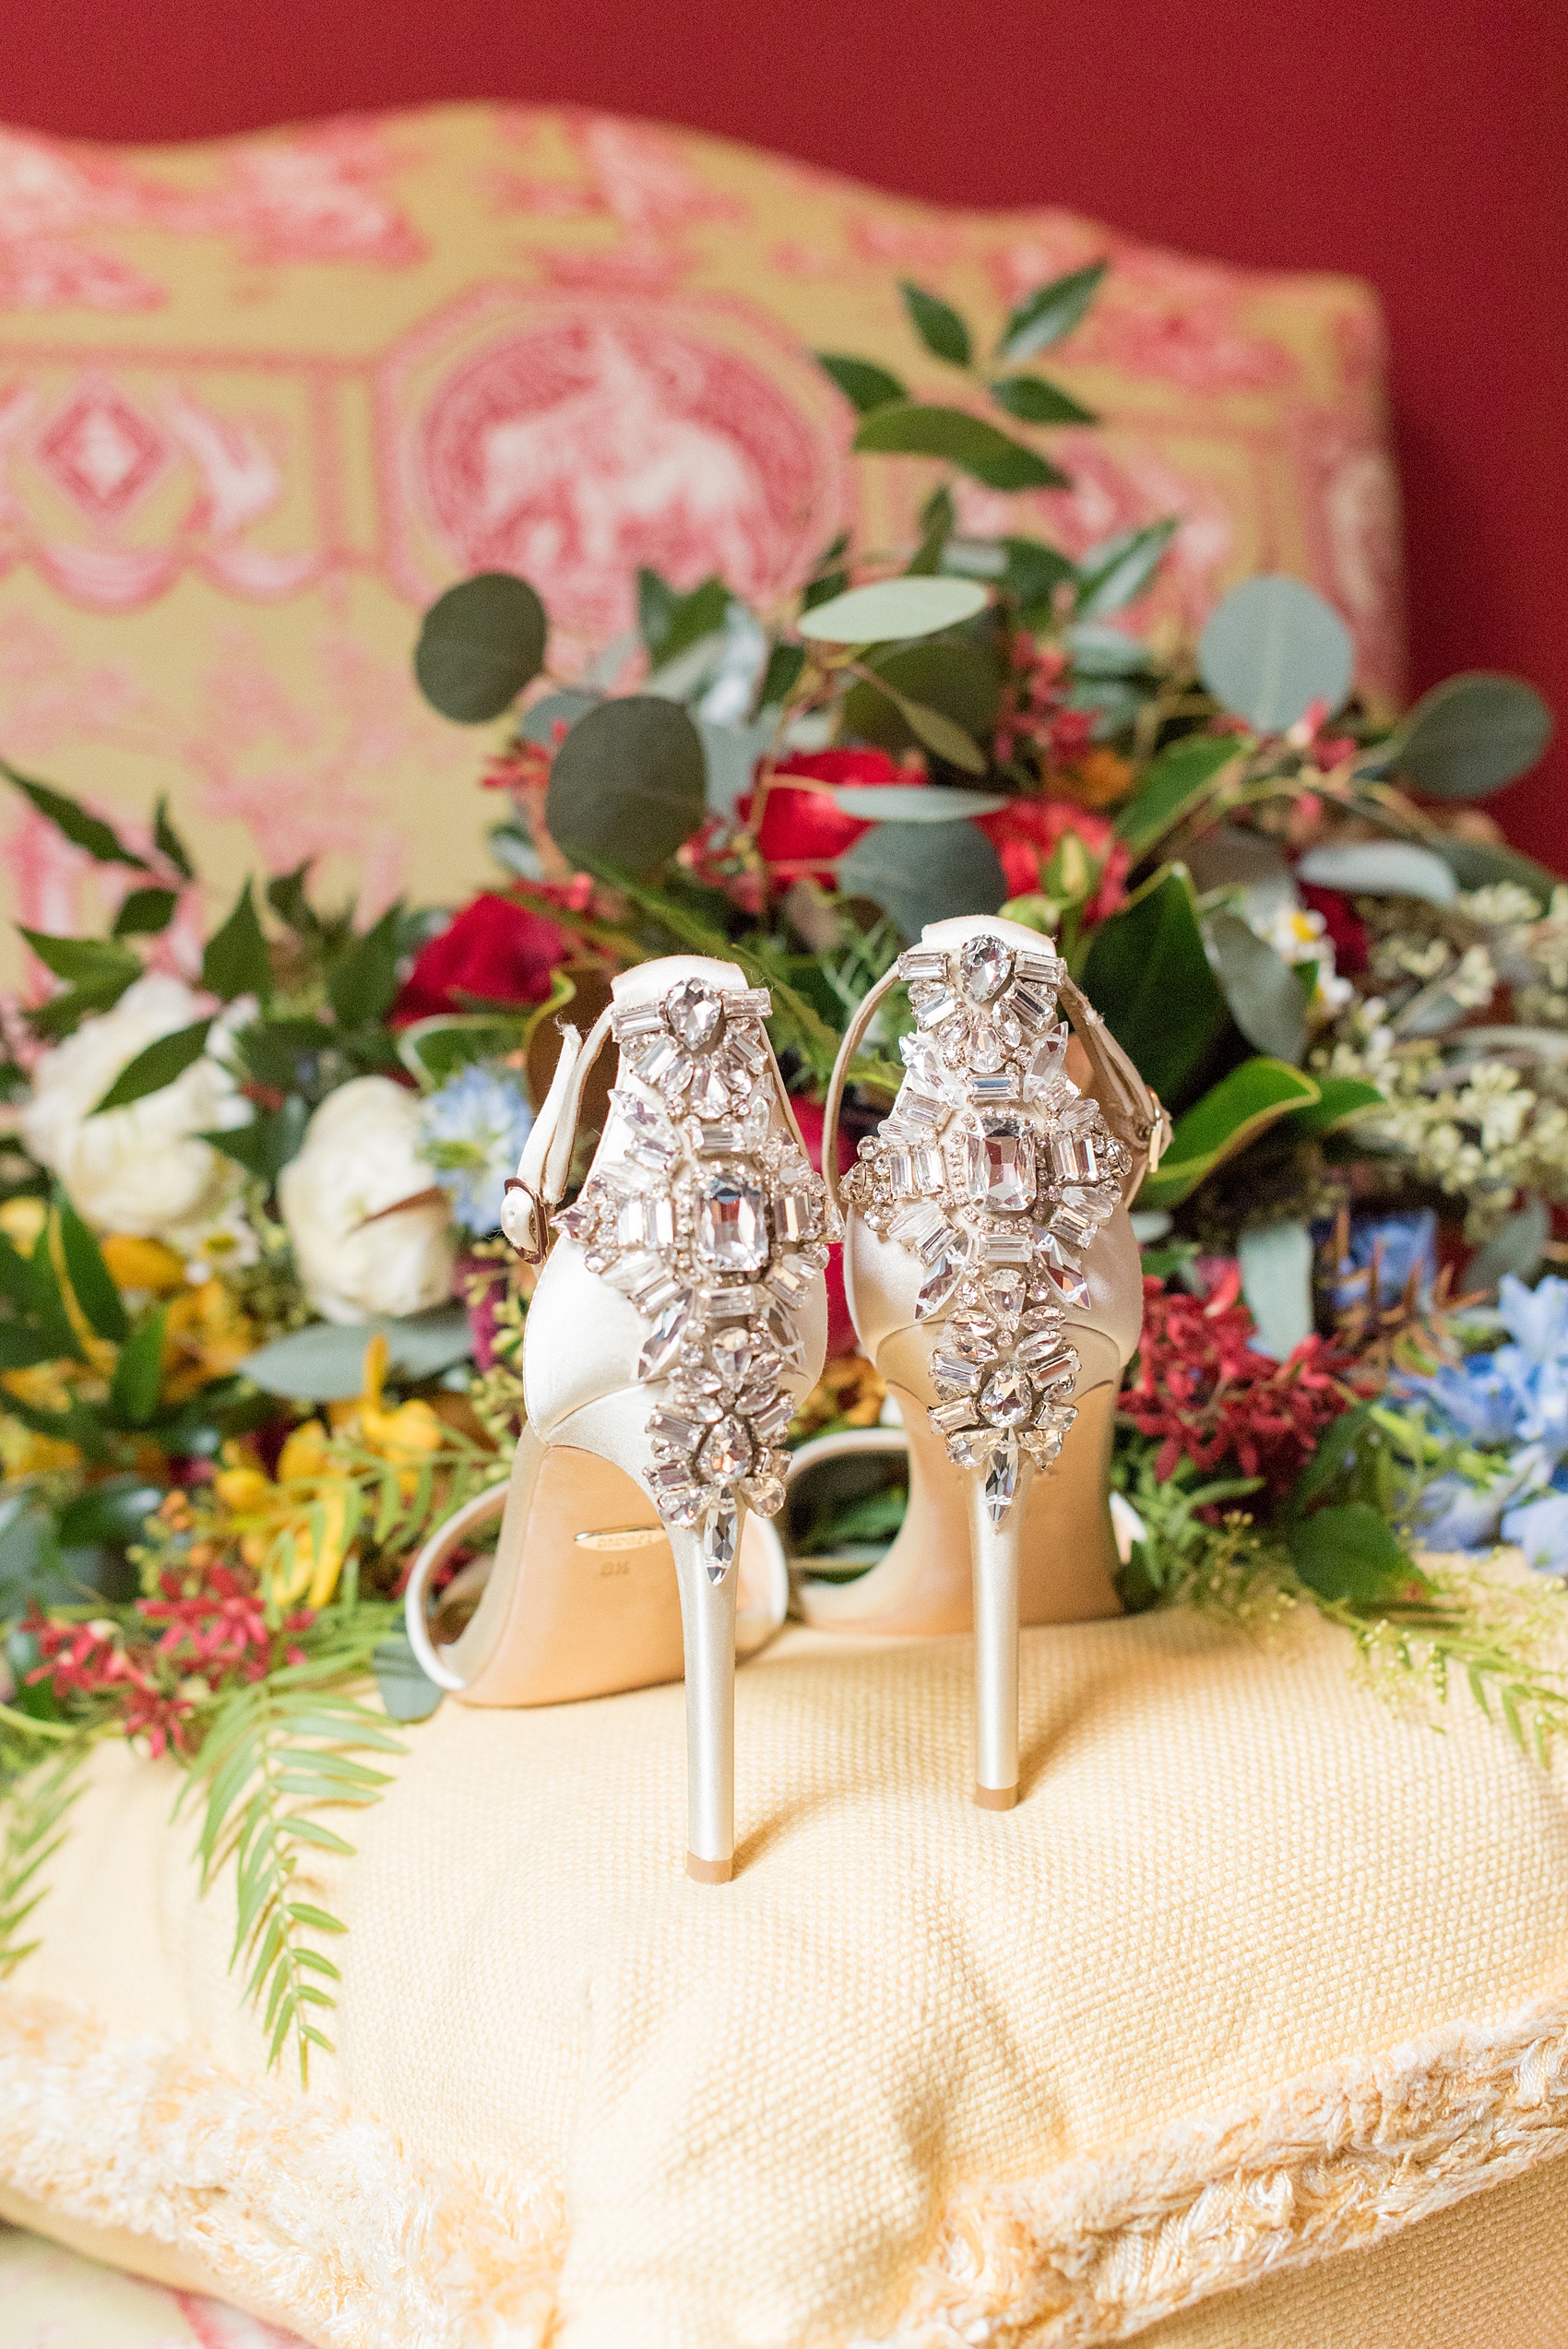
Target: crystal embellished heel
681 1314
995 1282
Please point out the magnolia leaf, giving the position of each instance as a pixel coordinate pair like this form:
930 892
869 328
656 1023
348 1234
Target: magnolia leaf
145 912
156 1065
1050 313
1147 974
911 428
938 326
480 644
1230 1116
862 385
1174 786
1114 575
405 1691
892 610
325 1363
236 960
1272 648
1342 1100
1469 736
69 817
92 1283
914 803
1034 401
1350 1552
167 843
629 783
1276 1282
923 872
1261 987
1382 868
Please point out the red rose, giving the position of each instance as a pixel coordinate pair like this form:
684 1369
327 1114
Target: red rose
1342 926
494 948
803 831
1025 834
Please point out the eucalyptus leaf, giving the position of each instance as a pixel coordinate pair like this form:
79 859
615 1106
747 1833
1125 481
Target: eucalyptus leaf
731 751
924 873
938 326
913 428
1230 1116
325 1363
480 643
1034 401
1099 651
862 385
1050 313
1470 735
1380 867
892 610
913 802
1272 648
564 709
1277 1281
671 623
1260 986
1519 1245
68 816
1114 575
405 1691
629 783
1477 864
156 1065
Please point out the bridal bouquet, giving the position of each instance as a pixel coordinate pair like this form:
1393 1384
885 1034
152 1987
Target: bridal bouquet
258 1332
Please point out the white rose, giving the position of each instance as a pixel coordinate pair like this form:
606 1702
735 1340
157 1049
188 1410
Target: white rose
361 1156
139 1169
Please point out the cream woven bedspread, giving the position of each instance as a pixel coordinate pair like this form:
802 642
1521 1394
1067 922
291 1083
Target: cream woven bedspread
1261 1973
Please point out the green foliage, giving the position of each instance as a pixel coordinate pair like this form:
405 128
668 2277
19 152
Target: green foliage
1112 576
892 610
938 326
39 1782
669 624
91 1282
480 643
1148 972
1034 401
361 982
915 428
1271 648
1231 1114
169 844
97 971
864 385
236 961
72 820
156 1065
1350 1552
1469 736
923 872
951 680
629 780
1260 986
324 1363
1050 313
278 1753
145 912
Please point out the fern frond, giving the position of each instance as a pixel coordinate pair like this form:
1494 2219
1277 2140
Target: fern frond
41 1785
276 1753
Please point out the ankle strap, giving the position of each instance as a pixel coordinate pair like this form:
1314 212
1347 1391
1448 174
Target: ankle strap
1133 1110
540 1182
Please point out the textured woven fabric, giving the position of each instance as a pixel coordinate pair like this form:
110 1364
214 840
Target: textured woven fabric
1259 1971
261 399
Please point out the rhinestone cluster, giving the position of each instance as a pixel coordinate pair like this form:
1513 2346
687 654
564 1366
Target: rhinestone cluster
713 1222
998 1174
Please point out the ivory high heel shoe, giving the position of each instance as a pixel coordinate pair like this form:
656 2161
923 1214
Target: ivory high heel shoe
994 1281
681 1314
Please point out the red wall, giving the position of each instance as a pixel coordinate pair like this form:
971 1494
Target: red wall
1421 143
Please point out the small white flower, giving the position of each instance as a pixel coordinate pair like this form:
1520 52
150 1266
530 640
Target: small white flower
141 1169
360 1158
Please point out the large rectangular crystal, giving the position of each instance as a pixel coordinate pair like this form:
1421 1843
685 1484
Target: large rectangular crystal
681 1435
913 1226
998 1165
939 1005
914 1169
952 1370
636 1019
951 1417
1075 1158
1047 969
922 962
646 1220
731 1227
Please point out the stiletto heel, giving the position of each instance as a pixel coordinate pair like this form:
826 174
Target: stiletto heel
995 1282
681 1315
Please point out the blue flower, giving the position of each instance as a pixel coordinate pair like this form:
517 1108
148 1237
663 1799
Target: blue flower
1455 1515
1474 1396
1397 1246
473 1131
1540 1528
1536 1319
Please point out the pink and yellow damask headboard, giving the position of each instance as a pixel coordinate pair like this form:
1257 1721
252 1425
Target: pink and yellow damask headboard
260 400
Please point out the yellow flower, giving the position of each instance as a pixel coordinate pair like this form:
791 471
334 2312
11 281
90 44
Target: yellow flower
206 1336
22 1220
404 1437
142 1263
